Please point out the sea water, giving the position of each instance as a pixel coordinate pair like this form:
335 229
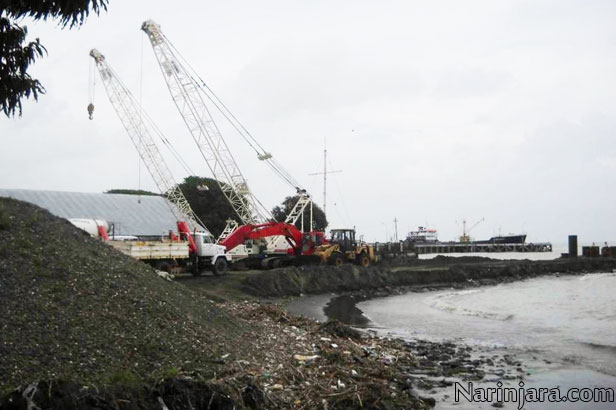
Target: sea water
562 328
571 318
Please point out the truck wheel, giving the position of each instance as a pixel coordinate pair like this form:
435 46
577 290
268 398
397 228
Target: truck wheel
195 270
363 260
164 266
336 259
220 266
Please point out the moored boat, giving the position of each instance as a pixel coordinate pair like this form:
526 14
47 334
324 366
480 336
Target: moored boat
423 234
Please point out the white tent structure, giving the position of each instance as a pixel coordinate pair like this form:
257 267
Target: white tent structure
134 215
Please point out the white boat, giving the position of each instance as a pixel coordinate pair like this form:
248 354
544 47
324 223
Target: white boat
423 234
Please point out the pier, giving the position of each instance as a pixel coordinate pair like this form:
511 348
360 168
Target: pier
471 247
409 249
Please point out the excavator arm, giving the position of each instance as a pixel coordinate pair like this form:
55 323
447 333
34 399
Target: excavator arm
265 230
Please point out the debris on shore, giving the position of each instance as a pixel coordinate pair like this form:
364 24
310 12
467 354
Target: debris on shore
84 326
98 328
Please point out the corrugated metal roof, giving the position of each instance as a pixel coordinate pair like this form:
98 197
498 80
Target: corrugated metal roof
130 214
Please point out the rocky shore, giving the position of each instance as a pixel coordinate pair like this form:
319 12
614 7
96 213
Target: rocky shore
83 326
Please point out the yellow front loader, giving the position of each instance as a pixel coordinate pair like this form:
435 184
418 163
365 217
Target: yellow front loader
343 247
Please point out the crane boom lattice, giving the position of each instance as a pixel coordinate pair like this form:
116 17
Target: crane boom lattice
132 117
189 100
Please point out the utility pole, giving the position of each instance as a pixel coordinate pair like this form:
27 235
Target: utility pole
396 226
324 173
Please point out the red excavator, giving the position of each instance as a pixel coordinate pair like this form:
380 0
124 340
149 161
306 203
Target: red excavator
302 244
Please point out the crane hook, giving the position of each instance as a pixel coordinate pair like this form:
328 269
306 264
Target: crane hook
90 110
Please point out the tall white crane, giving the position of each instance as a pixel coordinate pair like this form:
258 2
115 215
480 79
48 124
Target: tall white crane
132 117
190 98
191 104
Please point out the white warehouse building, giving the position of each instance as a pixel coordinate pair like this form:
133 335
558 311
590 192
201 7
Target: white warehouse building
143 216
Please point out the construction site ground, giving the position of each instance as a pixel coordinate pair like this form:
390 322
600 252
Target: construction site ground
84 326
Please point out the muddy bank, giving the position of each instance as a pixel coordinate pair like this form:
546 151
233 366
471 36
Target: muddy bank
295 281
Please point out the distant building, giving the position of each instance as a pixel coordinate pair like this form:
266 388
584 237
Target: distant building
129 214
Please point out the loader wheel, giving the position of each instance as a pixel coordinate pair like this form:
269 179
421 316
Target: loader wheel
336 259
220 266
363 260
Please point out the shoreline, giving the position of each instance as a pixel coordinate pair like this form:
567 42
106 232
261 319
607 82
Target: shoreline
414 273
84 326
441 363
345 307
534 368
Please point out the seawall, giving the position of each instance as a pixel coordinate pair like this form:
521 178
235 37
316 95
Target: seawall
295 281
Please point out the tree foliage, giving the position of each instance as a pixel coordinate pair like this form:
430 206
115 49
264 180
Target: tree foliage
16 55
319 219
208 202
67 12
15 82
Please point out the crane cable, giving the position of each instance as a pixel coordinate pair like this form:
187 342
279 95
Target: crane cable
235 123
91 87
140 114
150 123
154 127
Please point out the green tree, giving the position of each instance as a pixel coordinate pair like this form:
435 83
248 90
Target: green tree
16 55
320 221
208 202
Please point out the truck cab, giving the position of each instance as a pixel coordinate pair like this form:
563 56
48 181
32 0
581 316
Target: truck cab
210 255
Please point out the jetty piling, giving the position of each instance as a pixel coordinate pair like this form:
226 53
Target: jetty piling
573 246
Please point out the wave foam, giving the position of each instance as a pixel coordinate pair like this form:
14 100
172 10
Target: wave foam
440 303
596 275
600 346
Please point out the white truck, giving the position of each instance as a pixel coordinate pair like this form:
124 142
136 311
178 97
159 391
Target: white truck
175 256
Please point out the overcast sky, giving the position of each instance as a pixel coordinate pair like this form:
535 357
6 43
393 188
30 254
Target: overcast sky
434 111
